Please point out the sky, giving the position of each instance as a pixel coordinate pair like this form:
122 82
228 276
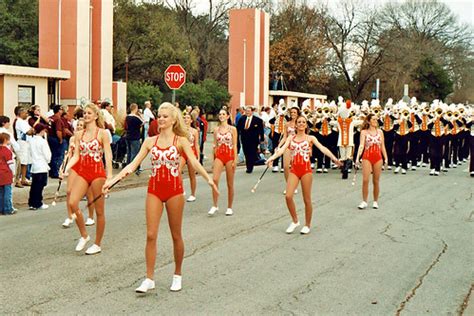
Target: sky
464 9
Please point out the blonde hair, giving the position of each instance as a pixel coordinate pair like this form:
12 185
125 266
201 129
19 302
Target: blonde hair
178 126
100 118
80 120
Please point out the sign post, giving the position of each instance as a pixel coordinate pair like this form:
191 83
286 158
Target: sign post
175 78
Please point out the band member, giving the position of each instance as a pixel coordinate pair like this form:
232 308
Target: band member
414 135
437 139
402 128
88 171
225 156
277 127
387 120
423 156
372 146
300 146
325 130
165 187
345 142
250 129
193 138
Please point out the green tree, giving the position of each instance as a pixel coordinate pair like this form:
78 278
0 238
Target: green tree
433 81
149 35
298 48
208 94
19 32
139 92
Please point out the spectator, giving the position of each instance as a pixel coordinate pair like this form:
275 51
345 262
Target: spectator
56 142
78 114
148 117
36 116
6 175
203 125
265 116
250 128
4 128
23 133
133 125
153 129
40 158
68 130
109 120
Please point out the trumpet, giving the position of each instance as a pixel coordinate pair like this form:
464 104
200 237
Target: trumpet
439 111
319 111
405 114
326 111
376 111
456 115
449 114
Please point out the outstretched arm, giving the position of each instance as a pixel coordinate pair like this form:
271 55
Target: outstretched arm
279 151
131 167
324 150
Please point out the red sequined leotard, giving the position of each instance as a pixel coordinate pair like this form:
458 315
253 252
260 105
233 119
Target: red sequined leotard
300 154
225 147
192 142
90 165
165 181
372 150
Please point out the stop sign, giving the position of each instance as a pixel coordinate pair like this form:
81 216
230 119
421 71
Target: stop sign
175 76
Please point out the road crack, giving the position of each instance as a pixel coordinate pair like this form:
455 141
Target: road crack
384 232
412 293
465 302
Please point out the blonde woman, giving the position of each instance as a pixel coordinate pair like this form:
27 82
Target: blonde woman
90 196
193 138
225 156
88 171
165 188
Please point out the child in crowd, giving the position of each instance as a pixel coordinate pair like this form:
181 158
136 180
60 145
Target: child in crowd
40 156
6 175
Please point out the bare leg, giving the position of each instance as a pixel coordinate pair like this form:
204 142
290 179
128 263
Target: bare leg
70 181
23 173
376 179
90 197
366 171
174 209
216 171
286 163
229 170
291 185
99 205
154 209
192 179
306 184
80 187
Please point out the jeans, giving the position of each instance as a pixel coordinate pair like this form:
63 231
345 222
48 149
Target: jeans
57 155
6 206
133 147
36 192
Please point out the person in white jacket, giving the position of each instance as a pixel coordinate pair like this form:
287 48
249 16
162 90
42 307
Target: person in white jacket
40 156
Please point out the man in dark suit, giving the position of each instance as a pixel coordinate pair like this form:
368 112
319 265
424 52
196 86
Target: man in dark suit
250 129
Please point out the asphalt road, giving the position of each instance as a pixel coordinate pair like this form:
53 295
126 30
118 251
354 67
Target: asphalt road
413 256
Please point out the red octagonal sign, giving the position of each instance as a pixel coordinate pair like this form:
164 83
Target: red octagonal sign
175 76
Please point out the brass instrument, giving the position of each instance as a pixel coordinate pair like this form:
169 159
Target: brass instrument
456 115
405 114
449 114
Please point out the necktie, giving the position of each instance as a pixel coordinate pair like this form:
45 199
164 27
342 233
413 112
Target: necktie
247 123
